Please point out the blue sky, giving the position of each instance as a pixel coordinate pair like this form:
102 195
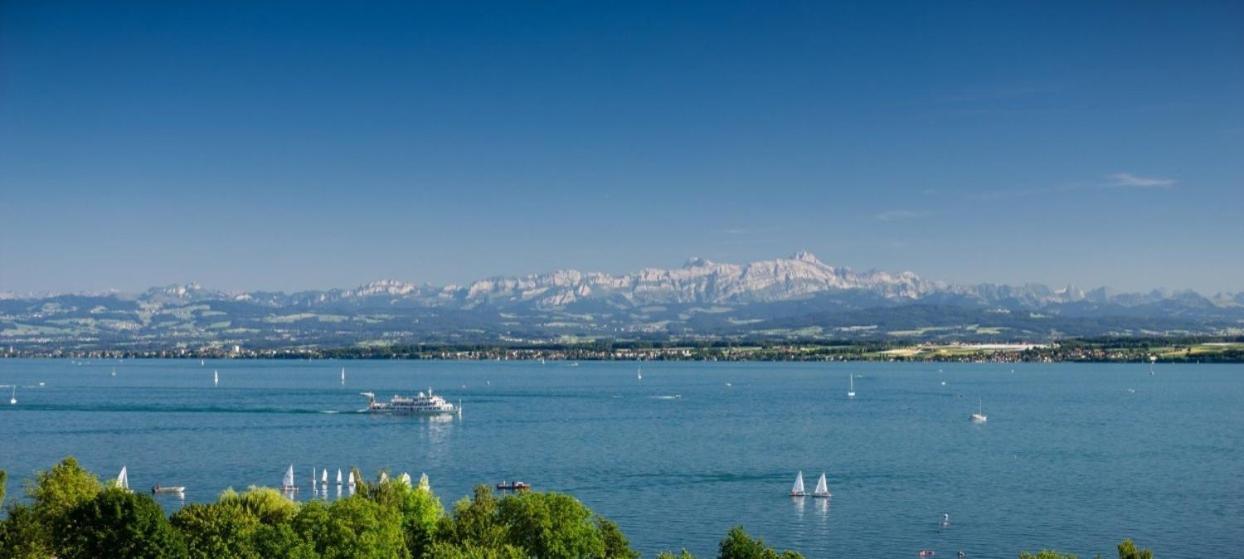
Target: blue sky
308 145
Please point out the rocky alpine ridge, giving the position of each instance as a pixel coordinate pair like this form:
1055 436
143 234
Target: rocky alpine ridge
798 296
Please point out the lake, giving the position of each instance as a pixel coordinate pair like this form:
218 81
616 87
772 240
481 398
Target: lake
1074 456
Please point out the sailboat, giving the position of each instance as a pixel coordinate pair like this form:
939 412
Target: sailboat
979 416
215 378
405 478
639 373
851 390
797 489
338 477
13 398
114 371
287 484
343 375
1152 359
123 480
822 488
351 479
324 477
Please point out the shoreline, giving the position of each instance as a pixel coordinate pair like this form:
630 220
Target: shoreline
1113 350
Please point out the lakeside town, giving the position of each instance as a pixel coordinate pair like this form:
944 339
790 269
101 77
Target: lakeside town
1121 350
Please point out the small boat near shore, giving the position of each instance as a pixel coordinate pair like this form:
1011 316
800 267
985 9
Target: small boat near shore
179 490
513 486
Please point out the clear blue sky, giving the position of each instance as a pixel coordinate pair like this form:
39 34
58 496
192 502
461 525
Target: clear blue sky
308 145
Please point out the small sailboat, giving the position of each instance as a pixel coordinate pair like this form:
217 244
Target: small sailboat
114 371
851 389
639 373
405 478
343 375
822 488
384 477
338 477
13 398
797 489
287 484
351 479
324 476
123 479
202 362
215 378
979 416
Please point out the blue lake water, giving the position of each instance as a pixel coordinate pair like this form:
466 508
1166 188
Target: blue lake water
1074 456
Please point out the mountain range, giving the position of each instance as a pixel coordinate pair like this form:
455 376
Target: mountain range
794 298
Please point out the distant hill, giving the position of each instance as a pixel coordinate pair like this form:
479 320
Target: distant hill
798 297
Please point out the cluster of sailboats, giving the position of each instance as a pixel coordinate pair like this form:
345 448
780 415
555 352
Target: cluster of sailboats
821 491
320 481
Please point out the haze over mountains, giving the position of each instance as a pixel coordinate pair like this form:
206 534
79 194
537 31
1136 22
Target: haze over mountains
798 297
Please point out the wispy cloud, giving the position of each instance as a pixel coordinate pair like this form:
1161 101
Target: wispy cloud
900 215
1128 180
1122 181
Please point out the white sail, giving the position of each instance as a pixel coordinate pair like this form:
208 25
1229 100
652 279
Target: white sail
797 490
384 477
288 482
324 476
639 373
405 479
851 390
351 478
423 482
343 375
123 479
822 488
338 476
215 377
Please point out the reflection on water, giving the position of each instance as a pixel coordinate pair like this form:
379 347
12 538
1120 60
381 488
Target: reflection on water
799 504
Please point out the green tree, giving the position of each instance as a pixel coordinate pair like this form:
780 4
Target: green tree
353 528
670 555
474 522
1127 550
217 530
551 526
4 478
280 541
59 490
264 503
616 544
122 525
418 507
1046 554
22 536
52 494
738 545
445 550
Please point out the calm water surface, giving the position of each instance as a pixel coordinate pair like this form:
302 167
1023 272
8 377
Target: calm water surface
1073 457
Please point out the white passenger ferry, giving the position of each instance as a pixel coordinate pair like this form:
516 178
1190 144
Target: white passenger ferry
426 403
